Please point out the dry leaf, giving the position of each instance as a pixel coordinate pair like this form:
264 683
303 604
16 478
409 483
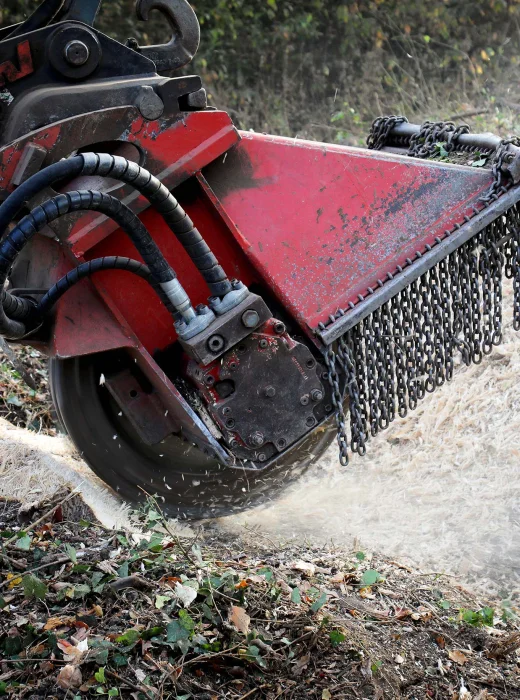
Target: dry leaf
303 566
325 695
185 594
458 657
54 622
239 619
301 664
69 677
70 652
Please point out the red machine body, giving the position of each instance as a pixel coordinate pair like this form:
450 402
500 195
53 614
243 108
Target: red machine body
316 224
340 278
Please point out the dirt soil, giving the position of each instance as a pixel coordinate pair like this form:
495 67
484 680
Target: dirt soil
145 613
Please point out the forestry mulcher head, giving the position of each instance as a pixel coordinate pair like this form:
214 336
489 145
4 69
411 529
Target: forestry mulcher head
216 305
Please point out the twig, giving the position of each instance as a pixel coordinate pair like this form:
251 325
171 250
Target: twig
166 526
44 517
252 692
206 657
12 562
138 688
134 581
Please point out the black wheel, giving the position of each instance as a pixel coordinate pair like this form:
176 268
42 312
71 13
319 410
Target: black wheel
191 484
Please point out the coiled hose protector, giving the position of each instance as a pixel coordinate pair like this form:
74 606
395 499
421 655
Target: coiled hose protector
53 209
114 262
106 165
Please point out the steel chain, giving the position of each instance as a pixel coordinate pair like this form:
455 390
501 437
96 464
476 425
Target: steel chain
407 347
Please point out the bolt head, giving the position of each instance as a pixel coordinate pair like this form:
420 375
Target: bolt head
250 318
262 457
279 328
310 421
216 343
305 400
270 391
76 53
263 343
317 395
256 440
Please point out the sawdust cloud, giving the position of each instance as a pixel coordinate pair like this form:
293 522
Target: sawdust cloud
440 488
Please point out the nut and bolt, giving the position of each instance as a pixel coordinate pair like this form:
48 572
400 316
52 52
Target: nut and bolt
310 364
230 423
262 457
209 380
76 53
256 440
263 343
317 395
279 328
250 318
310 421
216 344
305 400
281 443
270 391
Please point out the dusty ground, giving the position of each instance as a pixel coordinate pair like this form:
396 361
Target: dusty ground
144 612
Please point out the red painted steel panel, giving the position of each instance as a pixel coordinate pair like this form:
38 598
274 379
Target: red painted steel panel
322 223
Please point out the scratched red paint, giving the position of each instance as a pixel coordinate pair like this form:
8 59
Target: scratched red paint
323 223
10 73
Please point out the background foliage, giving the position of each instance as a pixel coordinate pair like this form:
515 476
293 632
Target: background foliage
323 68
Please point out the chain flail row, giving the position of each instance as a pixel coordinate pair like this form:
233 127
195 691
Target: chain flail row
407 348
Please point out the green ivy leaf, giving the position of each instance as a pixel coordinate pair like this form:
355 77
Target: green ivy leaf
33 587
129 637
336 637
100 675
370 577
318 604
23 542
71 553
479 163
296 596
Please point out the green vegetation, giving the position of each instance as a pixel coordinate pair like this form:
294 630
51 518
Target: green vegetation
325 68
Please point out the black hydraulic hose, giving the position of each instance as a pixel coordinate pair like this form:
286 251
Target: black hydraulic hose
84 200
63 170
86 270
106 165
124 217
15 307
20 308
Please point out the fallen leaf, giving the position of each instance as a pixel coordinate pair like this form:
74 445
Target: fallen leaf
458 657
70 652
239 619
54 622
301 664
325 694
185 594
69 677
303 566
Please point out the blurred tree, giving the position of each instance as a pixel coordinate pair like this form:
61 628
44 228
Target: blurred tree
288 64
